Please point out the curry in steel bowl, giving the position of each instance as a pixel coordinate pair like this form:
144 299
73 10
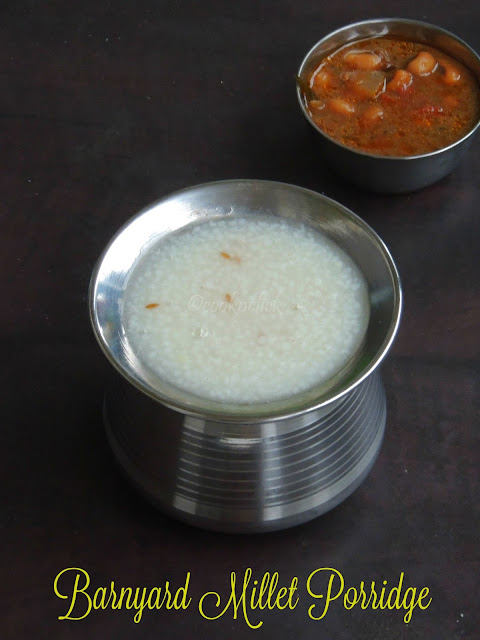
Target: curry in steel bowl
392 96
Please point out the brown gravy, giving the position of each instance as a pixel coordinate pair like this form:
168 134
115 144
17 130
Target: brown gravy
393 97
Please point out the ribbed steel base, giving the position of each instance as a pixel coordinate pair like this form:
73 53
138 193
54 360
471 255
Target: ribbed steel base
252 477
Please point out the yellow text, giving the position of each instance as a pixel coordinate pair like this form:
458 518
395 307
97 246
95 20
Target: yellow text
373 597
81 602
248 597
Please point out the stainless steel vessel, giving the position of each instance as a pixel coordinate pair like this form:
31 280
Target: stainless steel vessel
389 174
245 467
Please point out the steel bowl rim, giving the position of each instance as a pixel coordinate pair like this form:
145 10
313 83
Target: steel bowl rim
261 416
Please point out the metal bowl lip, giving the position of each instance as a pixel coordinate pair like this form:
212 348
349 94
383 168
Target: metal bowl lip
236 416
377 156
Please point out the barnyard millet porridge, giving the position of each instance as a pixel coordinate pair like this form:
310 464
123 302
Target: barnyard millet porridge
246 310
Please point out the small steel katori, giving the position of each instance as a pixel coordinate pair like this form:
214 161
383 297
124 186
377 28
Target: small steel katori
376 172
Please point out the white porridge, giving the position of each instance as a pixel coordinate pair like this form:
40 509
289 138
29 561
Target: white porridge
242 310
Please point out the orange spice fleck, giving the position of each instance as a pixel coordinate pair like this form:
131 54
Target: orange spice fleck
228 298
227 256
152 305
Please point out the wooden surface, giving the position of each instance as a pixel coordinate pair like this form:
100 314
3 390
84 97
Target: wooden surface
106 106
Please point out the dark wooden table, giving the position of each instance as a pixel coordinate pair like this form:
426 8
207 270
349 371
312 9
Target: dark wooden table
106 106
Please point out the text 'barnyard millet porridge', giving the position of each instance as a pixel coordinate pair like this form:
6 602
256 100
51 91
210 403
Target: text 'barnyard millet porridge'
246 311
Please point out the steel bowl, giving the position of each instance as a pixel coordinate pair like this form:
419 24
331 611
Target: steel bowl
244 467
379 173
